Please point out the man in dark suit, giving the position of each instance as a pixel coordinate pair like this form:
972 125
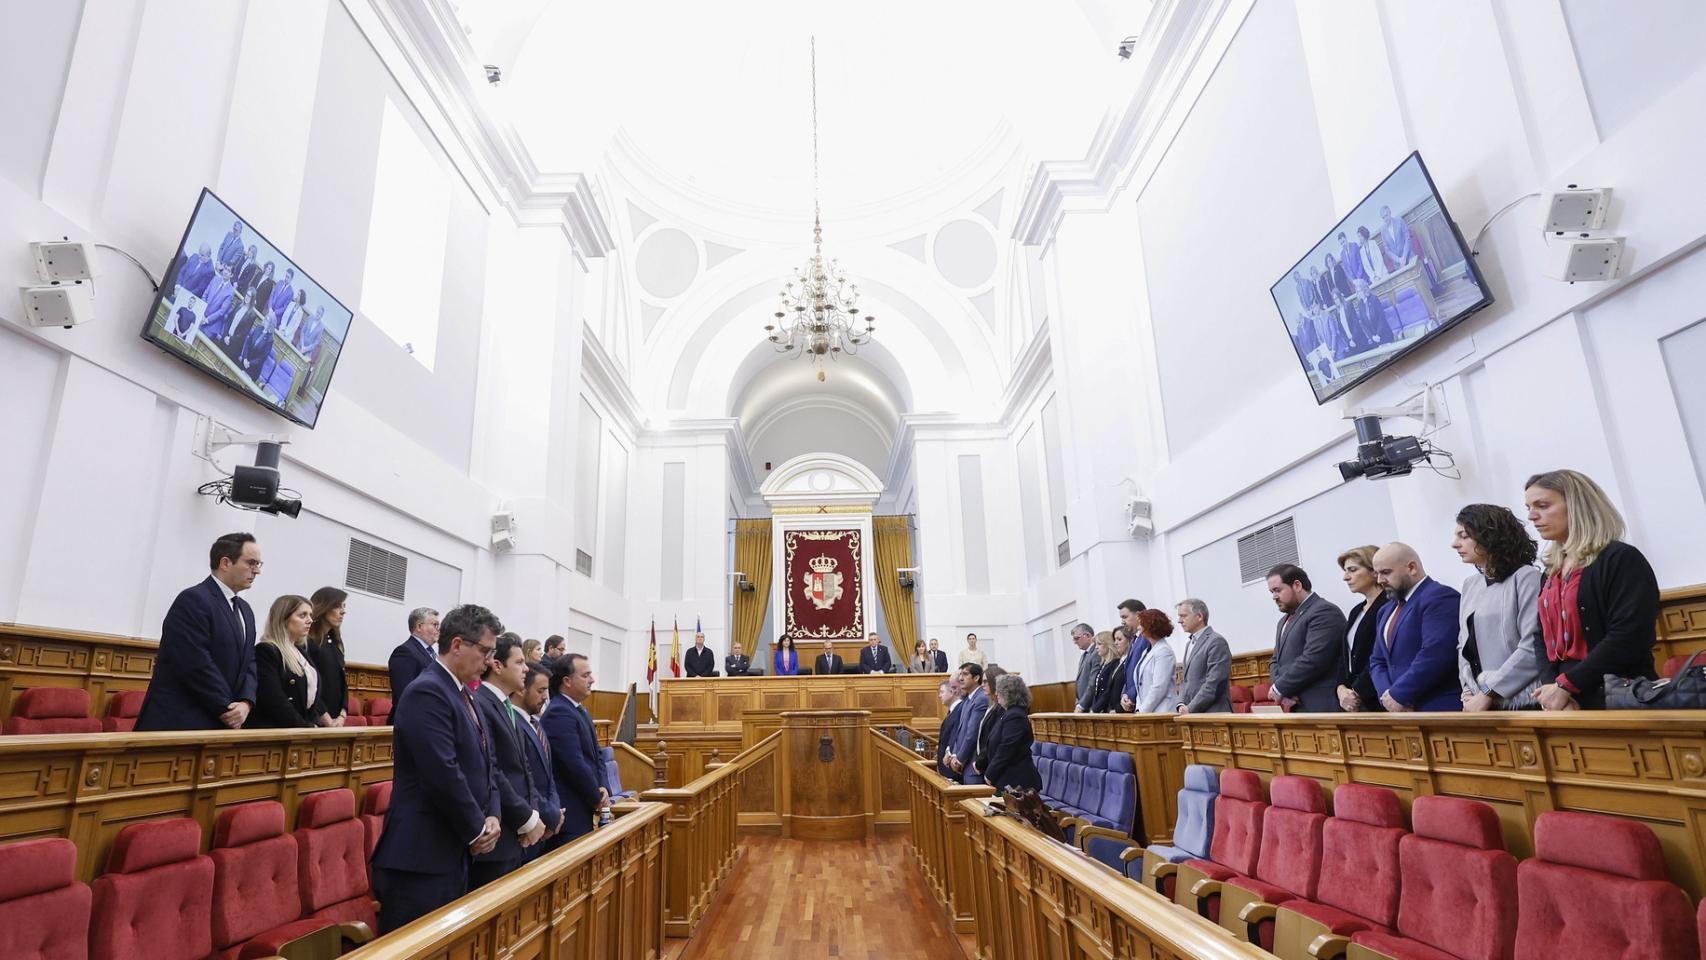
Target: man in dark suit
1208 663
700 661
414 655
737 663
530 700
444 795
1414 662
555 646
875 657
938 659
518 798
949 694
204 675
827 662
1309 644
964 748
574 747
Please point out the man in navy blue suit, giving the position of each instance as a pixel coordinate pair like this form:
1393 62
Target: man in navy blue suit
1414 661
574 747
413 655
204 676
518 798
531 700
971 711
949 694
1139 647
444 795
875 657
938 659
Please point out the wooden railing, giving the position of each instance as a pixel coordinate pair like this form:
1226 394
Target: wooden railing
1033 897
88 787
939 839
701 836
1252 667
1154 742
1054 697
1648 766
45 657
1682 623
598 897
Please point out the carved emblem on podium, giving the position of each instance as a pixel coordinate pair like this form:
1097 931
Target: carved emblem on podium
823 584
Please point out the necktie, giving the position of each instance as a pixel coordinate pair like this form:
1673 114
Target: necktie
238 612
474 715
533 722
1392 622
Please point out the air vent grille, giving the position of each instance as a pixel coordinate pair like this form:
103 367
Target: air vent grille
376 570
583 563
1261 550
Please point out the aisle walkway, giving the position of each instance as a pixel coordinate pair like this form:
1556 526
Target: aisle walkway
804 900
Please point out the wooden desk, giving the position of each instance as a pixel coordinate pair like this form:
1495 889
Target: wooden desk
1648 766
717 704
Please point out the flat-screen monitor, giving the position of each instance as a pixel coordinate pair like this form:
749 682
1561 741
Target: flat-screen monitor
242 312
1391 276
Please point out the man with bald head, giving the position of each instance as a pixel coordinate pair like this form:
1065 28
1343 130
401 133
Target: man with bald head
1414 662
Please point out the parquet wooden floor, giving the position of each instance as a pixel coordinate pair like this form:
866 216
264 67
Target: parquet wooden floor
811 899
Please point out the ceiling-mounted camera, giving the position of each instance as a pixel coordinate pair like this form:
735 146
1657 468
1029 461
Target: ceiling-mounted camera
1380 456
256 487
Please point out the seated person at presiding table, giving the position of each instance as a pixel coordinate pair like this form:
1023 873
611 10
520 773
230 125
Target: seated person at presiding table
785 662
874 658
828 662
700 661
737 663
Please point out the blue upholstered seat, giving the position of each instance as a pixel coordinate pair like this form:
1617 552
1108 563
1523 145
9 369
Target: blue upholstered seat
1196 818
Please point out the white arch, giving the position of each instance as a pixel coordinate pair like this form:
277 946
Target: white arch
821 478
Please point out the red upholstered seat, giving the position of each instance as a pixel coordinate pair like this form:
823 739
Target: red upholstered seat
354 721
123 707
1241 697
1357 887
1237 832
44 911
332 859
254 879
378 711
374 804
1700 929
1290 857
1456 886
52 710
1597 887
155 900
1674 664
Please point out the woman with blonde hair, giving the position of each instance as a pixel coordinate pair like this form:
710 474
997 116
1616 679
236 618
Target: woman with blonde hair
287 686
1356 567
1110 683
1599 599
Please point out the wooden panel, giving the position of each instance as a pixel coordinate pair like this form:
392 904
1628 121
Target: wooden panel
701 826
1252 667
1682 623
826 799
1154 742
1649 766
1033 897
598 896
704 704
1054 697
88 787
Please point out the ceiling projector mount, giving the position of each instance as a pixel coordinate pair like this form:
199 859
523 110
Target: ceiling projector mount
255 487
1380 457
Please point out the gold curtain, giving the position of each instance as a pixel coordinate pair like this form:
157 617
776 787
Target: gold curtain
752 557
894 551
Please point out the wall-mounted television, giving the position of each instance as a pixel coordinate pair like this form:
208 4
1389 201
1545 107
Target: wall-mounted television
1389 277
235 307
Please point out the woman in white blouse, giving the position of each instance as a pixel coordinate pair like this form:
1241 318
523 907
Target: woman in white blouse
1498 641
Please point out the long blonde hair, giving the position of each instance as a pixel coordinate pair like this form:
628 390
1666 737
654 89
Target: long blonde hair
282 610
1594 521
1105 644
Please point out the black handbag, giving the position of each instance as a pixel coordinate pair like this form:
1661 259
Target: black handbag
1685 691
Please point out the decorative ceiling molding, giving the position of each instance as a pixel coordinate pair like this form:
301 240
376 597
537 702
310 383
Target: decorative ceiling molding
600 373
1175 37
423 44
821 478
806 403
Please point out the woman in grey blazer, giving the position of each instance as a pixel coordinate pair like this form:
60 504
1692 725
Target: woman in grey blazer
1498 618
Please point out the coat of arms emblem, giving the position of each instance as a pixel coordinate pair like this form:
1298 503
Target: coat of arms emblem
823 584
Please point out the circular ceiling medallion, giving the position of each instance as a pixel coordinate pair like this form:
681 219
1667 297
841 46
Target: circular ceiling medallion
964 253
821 481
666 263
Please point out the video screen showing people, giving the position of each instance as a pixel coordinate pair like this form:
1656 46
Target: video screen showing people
1389 275
236 307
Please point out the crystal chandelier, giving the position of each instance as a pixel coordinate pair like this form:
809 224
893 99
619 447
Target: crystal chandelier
818 312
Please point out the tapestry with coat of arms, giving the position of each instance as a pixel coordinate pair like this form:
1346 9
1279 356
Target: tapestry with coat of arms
823 585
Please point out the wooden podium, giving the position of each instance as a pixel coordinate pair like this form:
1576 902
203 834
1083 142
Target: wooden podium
826 771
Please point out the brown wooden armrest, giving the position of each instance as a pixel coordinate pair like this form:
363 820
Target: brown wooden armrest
355 931
1088 830
1131 853
1252 916
1162 871
1329 946
1201 891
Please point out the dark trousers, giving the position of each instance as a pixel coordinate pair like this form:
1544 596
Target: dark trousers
485 871
406 896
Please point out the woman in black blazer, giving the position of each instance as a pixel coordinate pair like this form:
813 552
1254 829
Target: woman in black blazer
1599 600
326 649
1009 761
1110 681
1356 690
287 686
991 717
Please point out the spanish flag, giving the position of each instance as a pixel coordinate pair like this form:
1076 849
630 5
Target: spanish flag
675 652
652 656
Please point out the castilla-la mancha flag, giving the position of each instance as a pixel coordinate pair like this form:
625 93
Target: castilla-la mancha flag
652 656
